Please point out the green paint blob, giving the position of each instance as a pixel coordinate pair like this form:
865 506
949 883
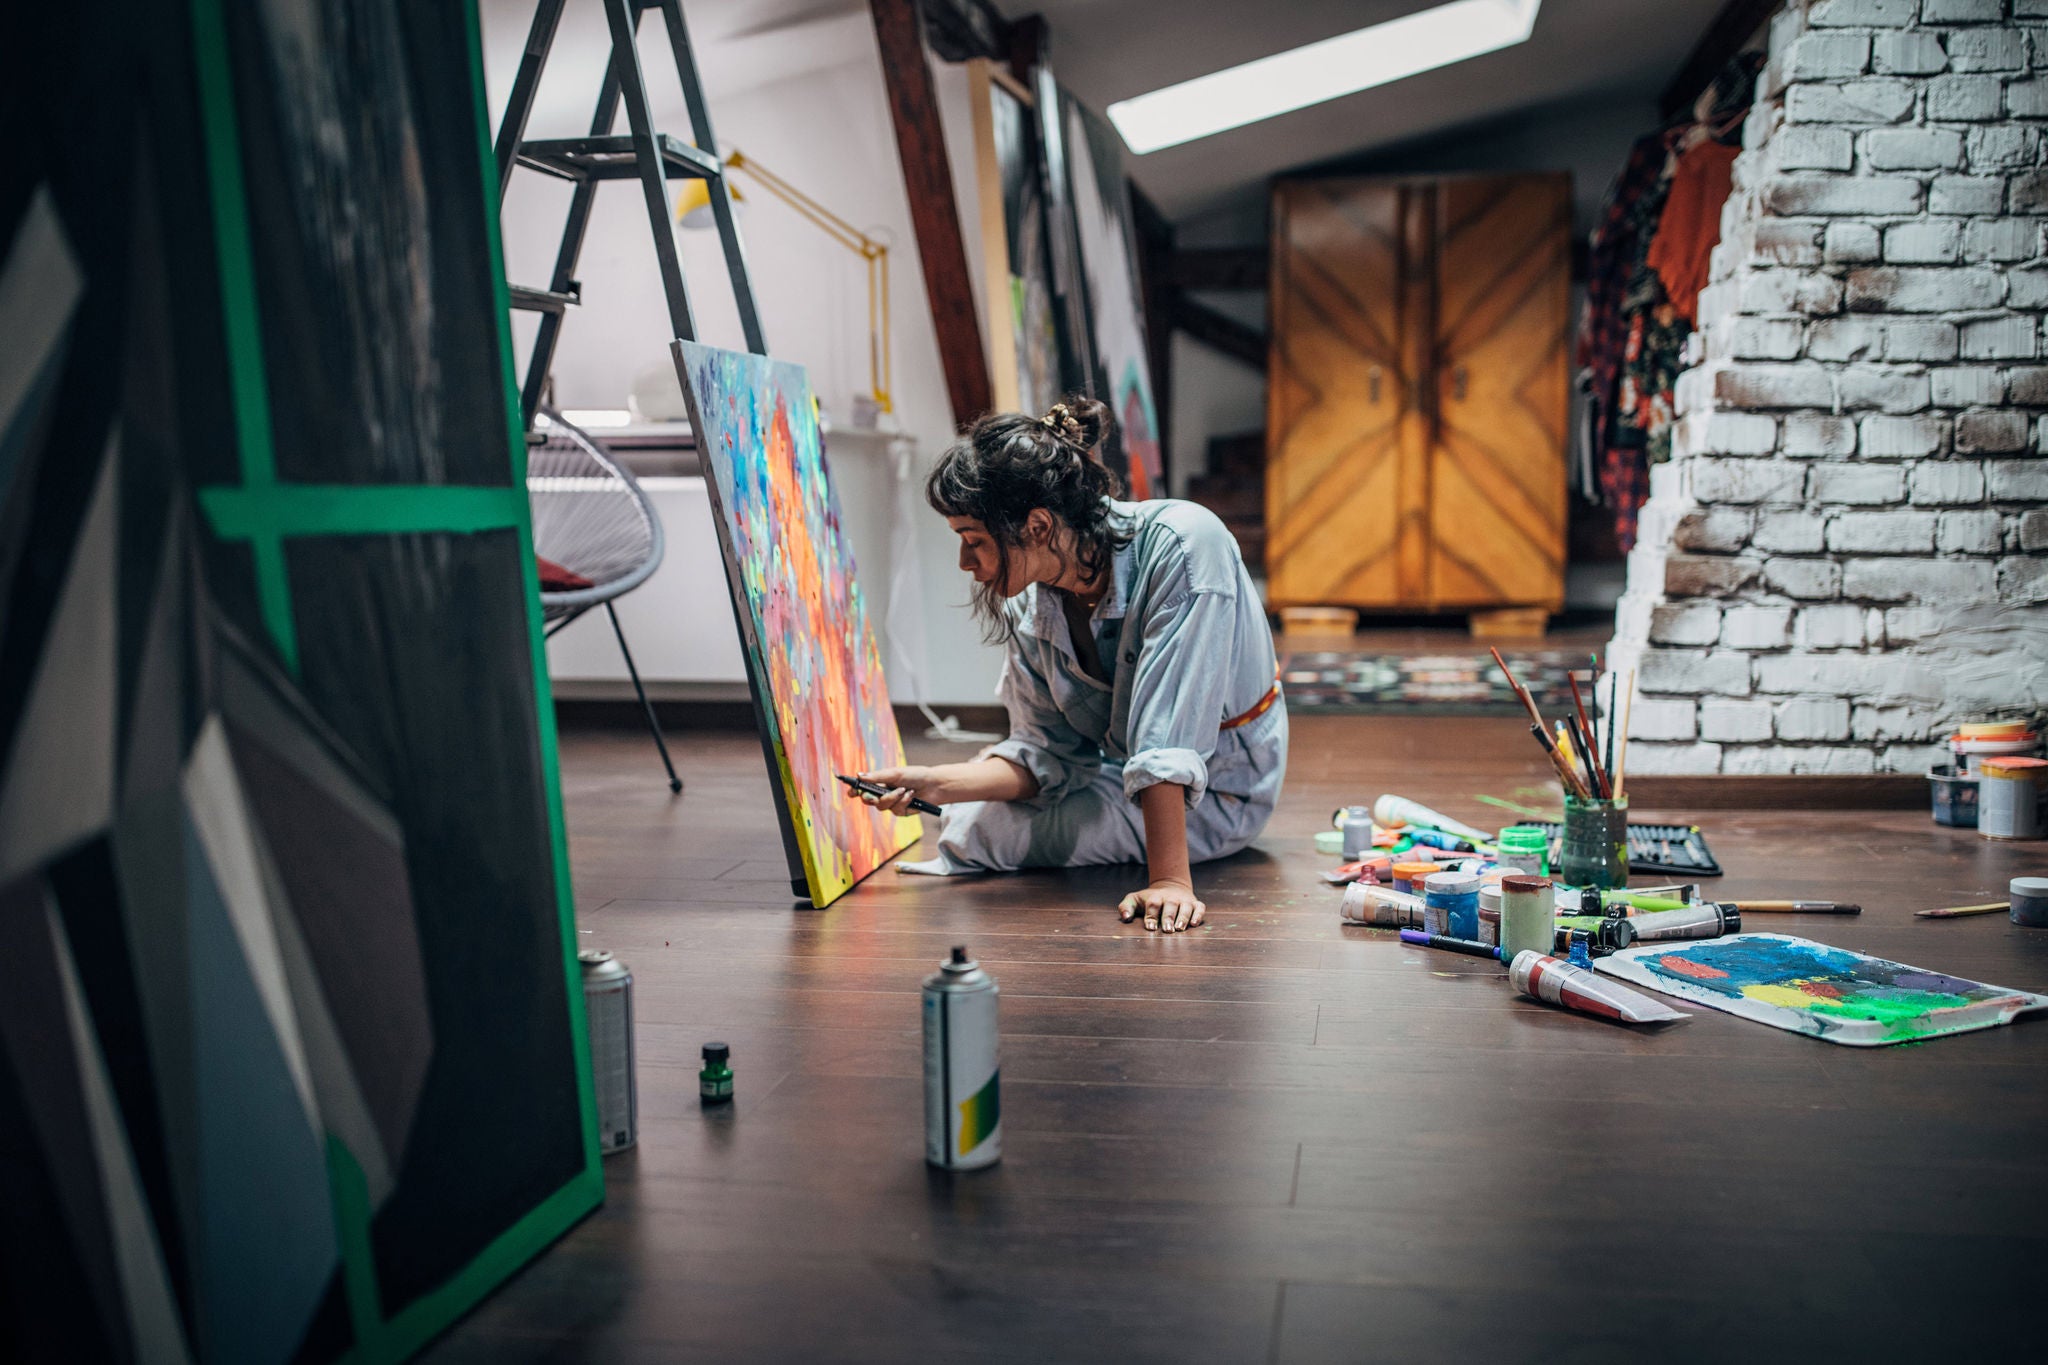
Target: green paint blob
1893 1008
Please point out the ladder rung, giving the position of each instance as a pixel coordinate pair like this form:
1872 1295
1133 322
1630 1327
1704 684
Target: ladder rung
541 300
612 158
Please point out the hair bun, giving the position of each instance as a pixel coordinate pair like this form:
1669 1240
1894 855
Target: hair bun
1083 422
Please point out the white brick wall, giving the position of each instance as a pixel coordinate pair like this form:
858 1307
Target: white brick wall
1849 551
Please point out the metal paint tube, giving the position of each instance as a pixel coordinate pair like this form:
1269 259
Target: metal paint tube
1381 907
1705 920
963 1117
1394 810
1560 983
1432 838
1603 934
608 1012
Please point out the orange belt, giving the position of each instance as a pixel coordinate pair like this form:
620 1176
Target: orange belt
1260 708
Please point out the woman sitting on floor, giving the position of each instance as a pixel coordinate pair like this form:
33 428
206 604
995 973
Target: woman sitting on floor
1146 722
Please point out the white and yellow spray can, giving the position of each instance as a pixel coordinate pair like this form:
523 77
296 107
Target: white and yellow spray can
963 1113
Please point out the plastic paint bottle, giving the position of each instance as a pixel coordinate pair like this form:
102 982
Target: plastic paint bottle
714 1082
1528 916
1525 844
1453 899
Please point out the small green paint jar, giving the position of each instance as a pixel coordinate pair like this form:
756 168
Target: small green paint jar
714 1082
1526 846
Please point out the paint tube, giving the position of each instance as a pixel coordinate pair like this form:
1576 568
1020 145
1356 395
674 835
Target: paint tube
1705 920
1604 934
1393 810
1381 907
1559 983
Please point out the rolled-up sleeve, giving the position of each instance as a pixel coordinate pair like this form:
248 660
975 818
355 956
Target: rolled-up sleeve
1178 689
1041 741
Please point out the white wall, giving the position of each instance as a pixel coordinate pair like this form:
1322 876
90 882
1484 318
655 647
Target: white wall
805 98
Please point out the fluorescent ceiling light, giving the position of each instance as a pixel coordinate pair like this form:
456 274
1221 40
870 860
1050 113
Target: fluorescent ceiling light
1334 67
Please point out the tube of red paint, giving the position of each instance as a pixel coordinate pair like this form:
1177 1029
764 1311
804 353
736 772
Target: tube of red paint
1557 982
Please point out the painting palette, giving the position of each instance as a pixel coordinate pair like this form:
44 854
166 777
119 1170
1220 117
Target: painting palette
1832 993
810 646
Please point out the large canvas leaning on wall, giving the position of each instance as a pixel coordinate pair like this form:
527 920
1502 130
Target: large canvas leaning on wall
810 647
291 1047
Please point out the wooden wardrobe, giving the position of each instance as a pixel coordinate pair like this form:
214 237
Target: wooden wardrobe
1418 395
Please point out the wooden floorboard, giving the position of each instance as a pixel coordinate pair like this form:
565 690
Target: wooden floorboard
1277 1139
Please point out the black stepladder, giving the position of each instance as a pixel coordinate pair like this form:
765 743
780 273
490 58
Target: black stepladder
651 158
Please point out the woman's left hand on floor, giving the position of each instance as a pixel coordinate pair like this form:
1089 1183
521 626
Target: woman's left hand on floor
1168 906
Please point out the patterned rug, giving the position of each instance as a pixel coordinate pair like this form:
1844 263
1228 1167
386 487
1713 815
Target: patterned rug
1351 682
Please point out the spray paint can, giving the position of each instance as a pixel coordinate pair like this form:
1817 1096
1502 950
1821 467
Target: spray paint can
963 1116
1704 920
608 1010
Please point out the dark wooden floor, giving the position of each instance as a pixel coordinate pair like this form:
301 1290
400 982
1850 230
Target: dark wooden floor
1276 1139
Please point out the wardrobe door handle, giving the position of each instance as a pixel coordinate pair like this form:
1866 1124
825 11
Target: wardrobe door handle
1458 377
1372 385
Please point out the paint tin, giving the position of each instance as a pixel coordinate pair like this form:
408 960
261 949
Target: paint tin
1489 914
2030 901
1977 743
1954 794
2009 798
1705 920
963 1116
608 1012
1528 915
1454 895
1527 844
1408 876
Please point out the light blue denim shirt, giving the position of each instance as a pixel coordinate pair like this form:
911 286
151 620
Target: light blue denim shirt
1192 650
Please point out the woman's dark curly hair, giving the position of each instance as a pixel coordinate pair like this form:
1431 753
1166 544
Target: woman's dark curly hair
1006 465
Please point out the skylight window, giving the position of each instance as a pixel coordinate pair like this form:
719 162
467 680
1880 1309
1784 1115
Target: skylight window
1327 70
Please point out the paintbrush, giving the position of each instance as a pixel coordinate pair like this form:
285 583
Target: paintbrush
1621 763
1565 774
1589 743
1613 686
1795 907
1528 701
1958 911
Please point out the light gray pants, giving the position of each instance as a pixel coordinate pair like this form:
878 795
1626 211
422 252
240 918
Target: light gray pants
1091 825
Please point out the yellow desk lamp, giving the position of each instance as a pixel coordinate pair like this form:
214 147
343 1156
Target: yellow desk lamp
693 211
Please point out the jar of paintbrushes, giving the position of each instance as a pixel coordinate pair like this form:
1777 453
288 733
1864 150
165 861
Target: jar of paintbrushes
1595 845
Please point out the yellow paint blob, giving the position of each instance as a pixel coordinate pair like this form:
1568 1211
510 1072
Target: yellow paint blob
1780 995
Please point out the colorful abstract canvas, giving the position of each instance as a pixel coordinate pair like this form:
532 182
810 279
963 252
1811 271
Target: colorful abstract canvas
811 655
1832 993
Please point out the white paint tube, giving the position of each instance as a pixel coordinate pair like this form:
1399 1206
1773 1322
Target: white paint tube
1557 982
1704 920
1389 810
1382 907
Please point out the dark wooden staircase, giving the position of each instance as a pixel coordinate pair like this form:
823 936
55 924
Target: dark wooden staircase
1234 488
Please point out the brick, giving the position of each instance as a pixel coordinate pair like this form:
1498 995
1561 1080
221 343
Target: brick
1937 483
1925 289
1806 579
1756 627
1675 759
1960 11
1861 13
1714 530
2002 146
1694 671
1993 431
1794 196
1925 241
1857 337
1909 625
1766 338
1907 54
2028 384
1998 339
1685 623
1946 581
2030 9
1913 758
1850 243
1785 241
1707 575
1753 760
1850 675
1790 291
1970 533
1882 533
2030 192
1663 718
1837 625
2027 99
1833 759
1967 194
1894 722
1955 99
2017 480
1962 387
1862 485
1789 533
1813 718
1747 481
1919 339
1886 388
1913 149
1773 386
2026 288
1737 433
1987 49
1812 147
2034 530
1826 56
1818 433
1726 719
2023 579
1892 438
2001 239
